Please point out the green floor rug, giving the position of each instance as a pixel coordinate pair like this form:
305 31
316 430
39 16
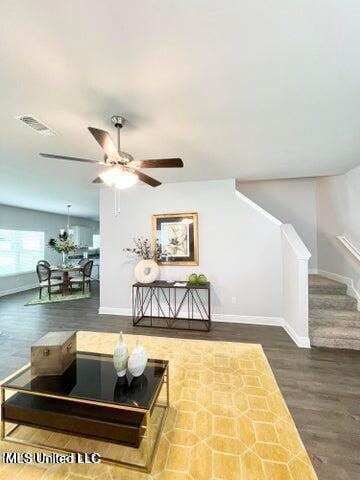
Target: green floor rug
58 297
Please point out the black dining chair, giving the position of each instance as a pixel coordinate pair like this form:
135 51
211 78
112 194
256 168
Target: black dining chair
81 263
85 277
47 264
45 280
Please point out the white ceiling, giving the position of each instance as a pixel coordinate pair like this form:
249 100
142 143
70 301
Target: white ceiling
249 89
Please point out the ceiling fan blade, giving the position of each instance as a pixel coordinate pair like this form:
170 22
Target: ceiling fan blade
97 180
105 141
159 163
73 159
145 178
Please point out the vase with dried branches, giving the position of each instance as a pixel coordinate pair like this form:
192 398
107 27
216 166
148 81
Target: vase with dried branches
147 270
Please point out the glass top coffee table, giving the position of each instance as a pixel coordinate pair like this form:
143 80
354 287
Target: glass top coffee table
89 400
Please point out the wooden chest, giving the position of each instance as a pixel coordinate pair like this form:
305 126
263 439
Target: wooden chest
53 353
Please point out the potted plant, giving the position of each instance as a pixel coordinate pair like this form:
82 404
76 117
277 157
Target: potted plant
64 245
147 270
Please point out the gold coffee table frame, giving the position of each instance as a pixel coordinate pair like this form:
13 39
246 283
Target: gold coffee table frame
147 436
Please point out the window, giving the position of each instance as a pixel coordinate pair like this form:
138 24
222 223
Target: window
20 251
96 241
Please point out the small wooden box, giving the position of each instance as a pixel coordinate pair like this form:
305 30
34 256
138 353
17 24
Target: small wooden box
53 353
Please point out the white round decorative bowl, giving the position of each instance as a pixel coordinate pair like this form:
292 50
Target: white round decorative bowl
146 271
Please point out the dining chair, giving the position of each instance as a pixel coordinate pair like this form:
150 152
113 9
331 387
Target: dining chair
78 273
47 264
85 278
45 280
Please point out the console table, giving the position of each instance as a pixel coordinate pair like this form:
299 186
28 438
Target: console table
166 305
89 400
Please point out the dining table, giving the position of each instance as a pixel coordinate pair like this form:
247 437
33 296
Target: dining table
66 270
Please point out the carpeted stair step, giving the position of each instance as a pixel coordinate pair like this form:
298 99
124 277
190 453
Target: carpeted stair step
335 332
333 342
319 284
336 302
334 321
328 317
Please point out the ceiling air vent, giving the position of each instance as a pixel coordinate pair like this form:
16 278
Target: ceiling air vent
35 124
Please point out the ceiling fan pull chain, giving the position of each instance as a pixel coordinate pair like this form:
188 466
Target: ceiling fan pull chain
116 201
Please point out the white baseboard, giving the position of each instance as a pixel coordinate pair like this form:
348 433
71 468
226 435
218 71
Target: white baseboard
302 342
349 282
247 319
115 311
21 288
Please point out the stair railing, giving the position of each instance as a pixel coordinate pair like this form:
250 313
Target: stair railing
349 246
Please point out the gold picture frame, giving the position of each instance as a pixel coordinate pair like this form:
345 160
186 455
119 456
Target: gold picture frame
175 236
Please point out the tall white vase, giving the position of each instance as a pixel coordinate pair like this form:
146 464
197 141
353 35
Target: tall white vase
120 357
137 360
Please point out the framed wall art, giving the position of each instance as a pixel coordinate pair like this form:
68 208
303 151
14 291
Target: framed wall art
176 238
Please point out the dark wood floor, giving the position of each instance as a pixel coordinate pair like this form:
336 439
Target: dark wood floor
321 387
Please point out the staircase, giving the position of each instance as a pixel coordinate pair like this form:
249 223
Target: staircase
334 320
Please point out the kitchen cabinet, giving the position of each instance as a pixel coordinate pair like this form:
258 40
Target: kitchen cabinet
82 236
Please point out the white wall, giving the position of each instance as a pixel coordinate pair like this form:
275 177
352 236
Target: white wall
240 249
338 204
291 201
25 219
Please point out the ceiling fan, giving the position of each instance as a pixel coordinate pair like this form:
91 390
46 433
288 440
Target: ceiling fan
121 171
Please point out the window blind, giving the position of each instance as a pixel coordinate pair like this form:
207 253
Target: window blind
20 251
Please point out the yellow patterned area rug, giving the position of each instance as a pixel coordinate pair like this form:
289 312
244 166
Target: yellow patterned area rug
228 420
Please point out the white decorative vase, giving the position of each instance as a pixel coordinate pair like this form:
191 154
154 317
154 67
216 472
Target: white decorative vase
146 271
137 360
120 357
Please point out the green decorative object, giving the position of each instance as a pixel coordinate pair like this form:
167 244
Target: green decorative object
193 278
201 279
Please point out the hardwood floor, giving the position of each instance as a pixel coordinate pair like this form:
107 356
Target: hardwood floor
321 387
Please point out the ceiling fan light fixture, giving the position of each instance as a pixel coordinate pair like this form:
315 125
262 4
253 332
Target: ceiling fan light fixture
119 178
123 168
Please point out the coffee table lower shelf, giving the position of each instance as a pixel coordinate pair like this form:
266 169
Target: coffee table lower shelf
118 425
